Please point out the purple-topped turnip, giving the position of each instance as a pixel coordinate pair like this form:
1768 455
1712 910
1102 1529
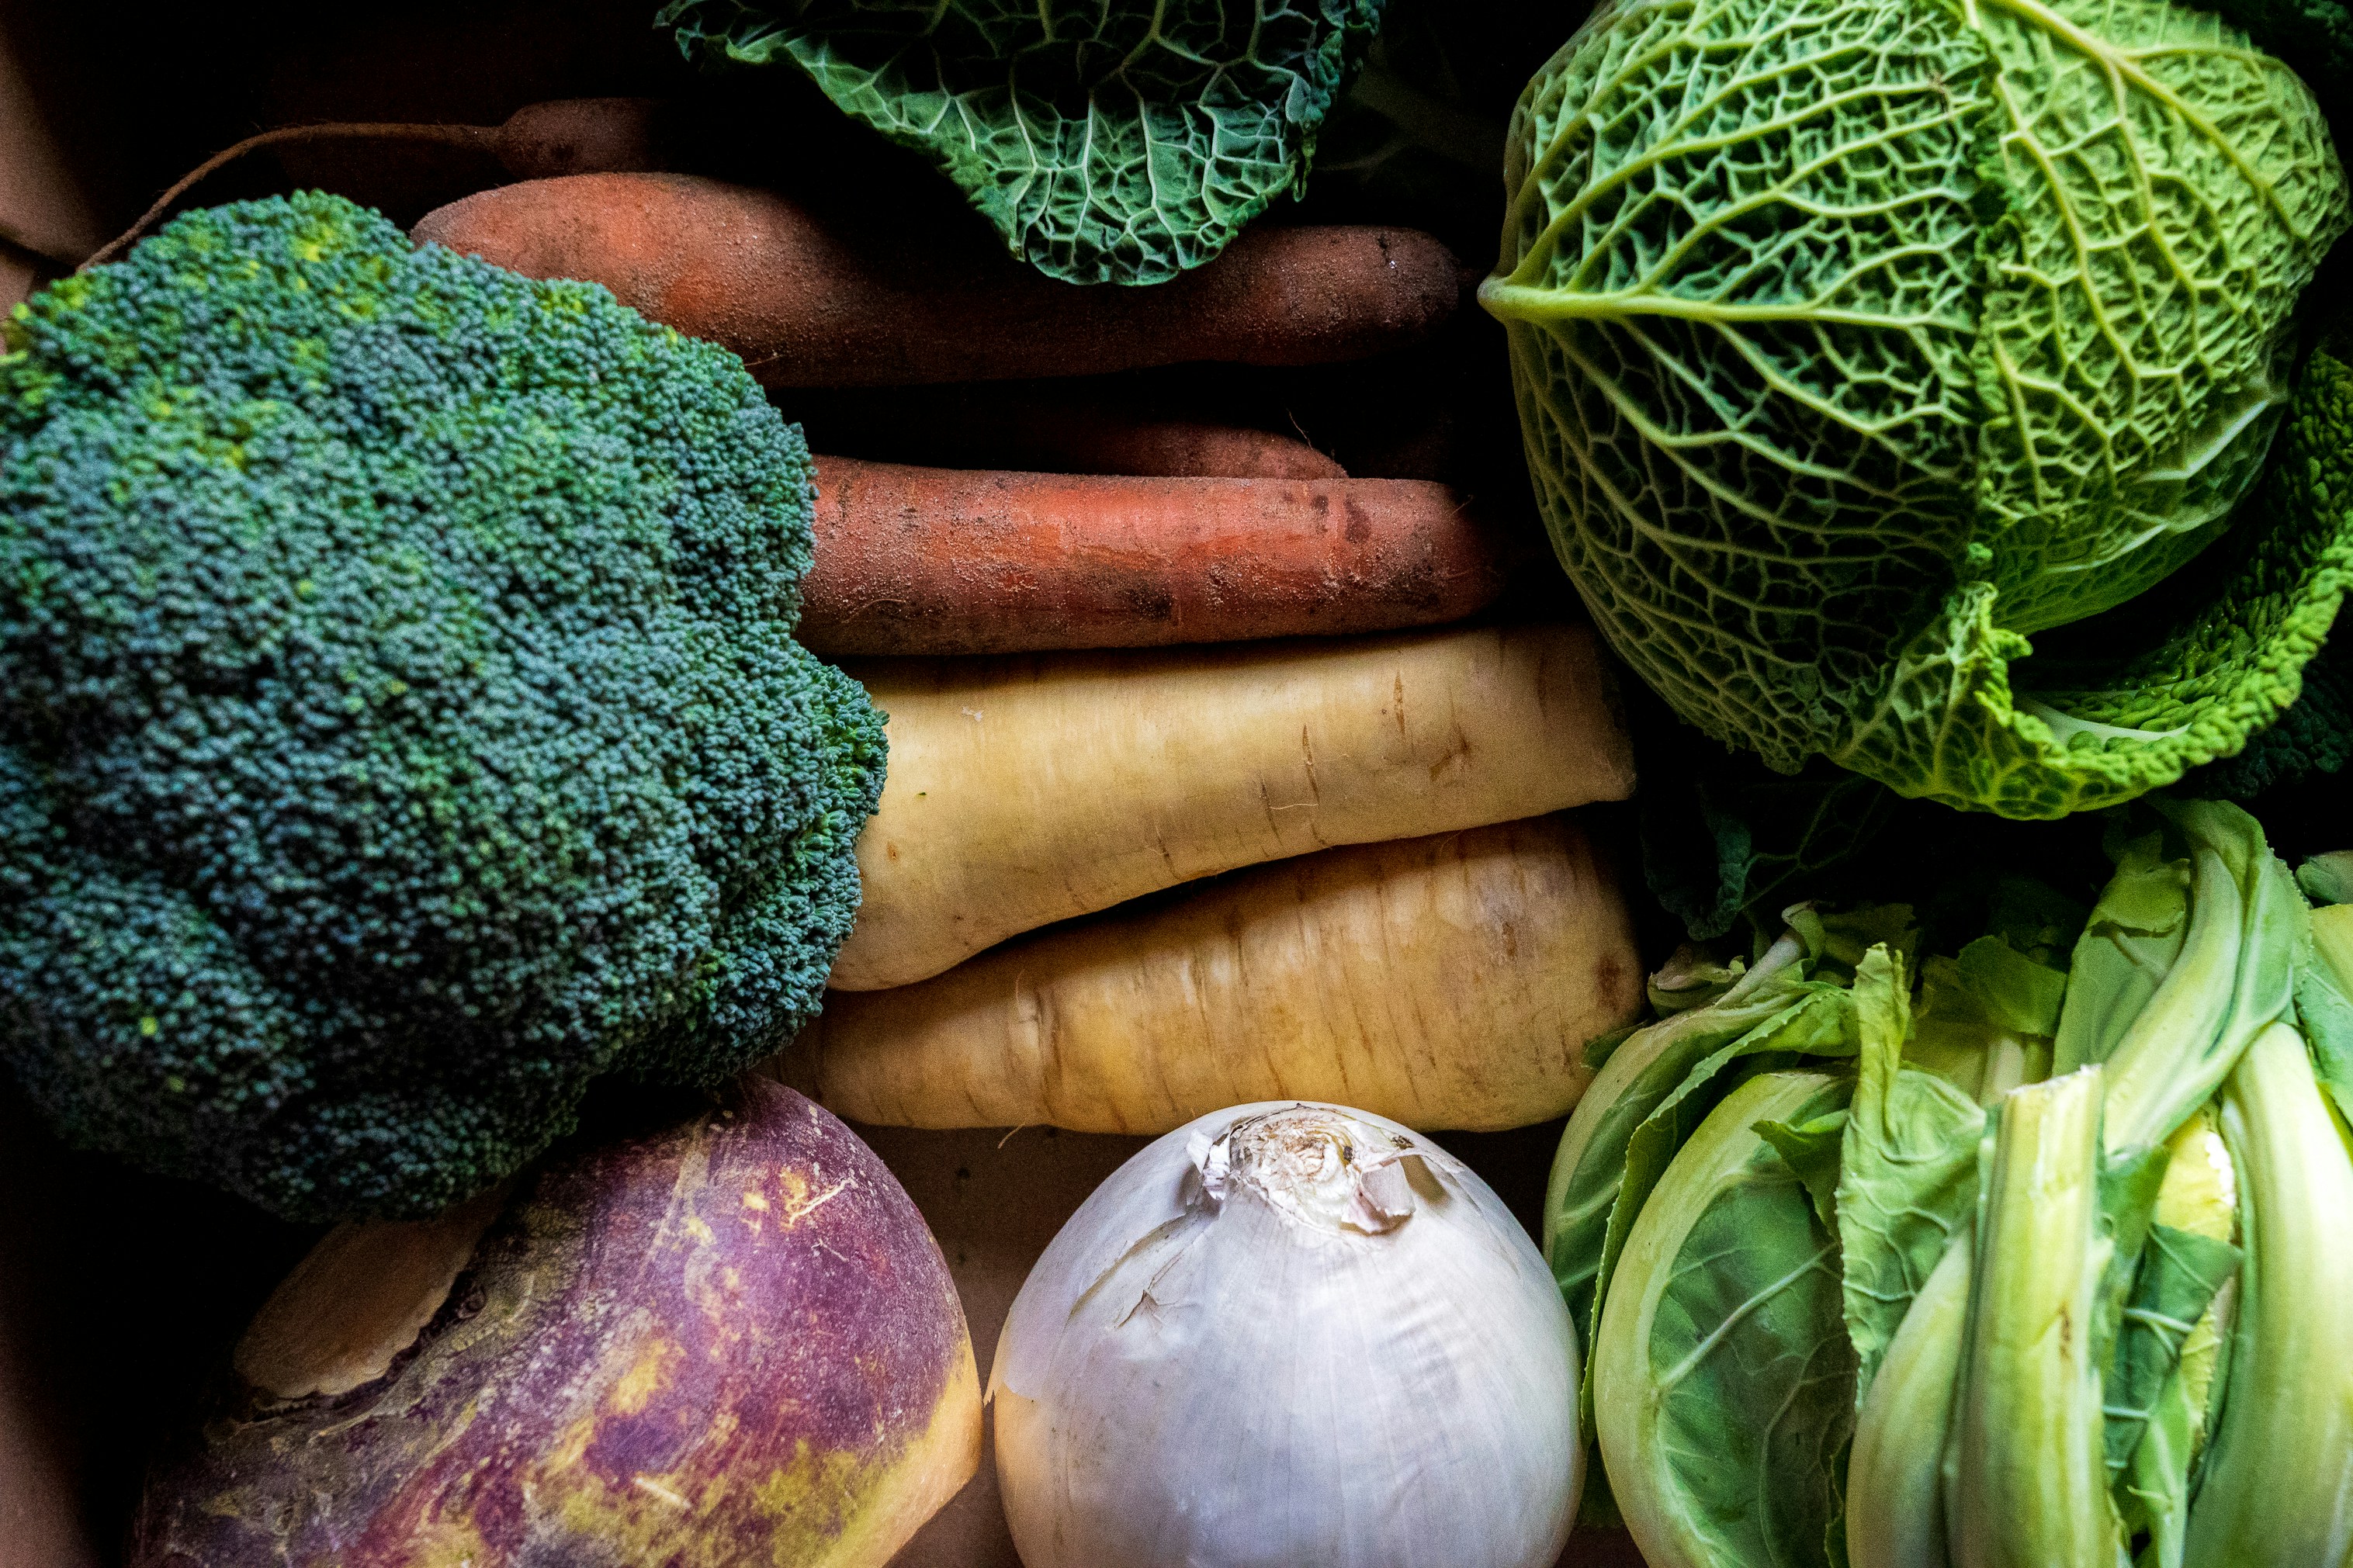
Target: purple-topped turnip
731 1341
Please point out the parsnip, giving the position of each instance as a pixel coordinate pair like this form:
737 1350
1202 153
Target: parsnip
1450 981
1028 789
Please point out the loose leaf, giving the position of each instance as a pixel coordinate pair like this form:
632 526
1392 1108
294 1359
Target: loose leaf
1597 1185
2135 934
1909 1180
1114 142
1810 1150
2180 1273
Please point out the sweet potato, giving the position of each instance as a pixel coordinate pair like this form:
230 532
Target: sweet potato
731 1339
1448 982
806 307
931 561
1025 790
539 141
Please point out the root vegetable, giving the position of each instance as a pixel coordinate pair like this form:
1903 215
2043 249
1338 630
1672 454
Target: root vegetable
1026 790
1448 982
539 141
991 427
1101 442
805 307
938 561
733 1341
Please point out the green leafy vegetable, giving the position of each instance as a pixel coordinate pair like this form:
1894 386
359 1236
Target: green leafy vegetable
2036 1273
1909 1178
2197 1199
2234 976
1855 343
2030 1485
1727 1389
2276 1489
1117 142
1643 1105
1895 1476
2129 945
2178 1279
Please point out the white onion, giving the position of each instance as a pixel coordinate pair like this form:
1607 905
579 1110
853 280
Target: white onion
1289 1336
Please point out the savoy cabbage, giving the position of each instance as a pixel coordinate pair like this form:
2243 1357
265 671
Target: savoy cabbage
1857 341
1113 142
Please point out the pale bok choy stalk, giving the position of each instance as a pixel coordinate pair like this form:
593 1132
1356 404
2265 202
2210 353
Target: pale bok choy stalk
2163 1065
2177 968
2234 976
2036 1449
1724 1392
1896 1478
2276 1489
2030 1485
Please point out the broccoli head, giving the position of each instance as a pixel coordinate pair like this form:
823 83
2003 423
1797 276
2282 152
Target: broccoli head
400 721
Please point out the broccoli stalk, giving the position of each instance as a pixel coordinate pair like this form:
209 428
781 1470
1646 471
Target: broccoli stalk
400 721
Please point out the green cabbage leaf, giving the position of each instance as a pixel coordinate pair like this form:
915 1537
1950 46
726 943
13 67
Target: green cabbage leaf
1108 143
1857 343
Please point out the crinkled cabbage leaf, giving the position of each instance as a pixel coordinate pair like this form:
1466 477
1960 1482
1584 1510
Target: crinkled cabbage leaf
1856 343
1109 142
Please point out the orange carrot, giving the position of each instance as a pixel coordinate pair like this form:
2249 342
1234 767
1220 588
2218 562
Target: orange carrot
1091 442
807 307
1092 424
936 560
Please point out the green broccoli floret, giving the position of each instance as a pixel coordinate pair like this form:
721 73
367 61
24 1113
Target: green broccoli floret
400 722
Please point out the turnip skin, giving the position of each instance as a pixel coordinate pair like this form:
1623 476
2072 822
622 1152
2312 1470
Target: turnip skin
731 1341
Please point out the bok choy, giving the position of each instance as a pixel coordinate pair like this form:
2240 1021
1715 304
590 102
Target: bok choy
2030 1254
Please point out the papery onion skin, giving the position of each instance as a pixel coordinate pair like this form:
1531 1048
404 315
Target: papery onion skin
1379 1374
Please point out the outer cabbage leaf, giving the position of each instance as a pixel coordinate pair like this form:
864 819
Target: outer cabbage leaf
2318 35
1855 342
1108 143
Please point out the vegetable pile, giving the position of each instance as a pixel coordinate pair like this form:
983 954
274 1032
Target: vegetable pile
2021 1255
445 709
